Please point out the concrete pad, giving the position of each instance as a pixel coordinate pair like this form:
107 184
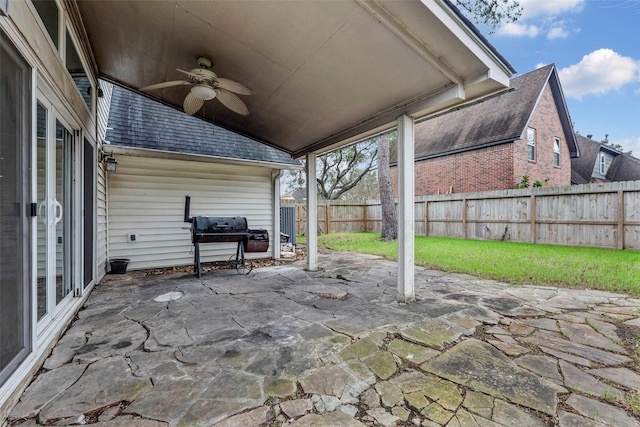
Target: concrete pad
489 371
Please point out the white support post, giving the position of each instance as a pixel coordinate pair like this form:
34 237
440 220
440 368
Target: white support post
275 176
312 214
406 224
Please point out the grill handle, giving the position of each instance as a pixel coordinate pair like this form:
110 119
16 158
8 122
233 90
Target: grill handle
187 208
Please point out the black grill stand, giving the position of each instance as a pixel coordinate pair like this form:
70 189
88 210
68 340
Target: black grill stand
242 265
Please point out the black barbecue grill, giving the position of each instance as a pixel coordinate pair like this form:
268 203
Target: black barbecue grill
212 229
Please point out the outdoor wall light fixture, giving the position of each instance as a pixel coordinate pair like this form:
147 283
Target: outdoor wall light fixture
110 163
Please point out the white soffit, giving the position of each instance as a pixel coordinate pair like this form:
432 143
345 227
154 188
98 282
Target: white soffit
323 71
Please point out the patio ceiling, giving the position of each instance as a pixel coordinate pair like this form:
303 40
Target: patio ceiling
323 72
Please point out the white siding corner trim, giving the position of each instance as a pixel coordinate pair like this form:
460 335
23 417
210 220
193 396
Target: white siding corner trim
146 197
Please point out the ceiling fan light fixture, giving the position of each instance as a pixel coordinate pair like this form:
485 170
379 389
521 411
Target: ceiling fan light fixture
203 91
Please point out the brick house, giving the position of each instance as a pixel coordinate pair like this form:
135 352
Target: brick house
599 163
492 143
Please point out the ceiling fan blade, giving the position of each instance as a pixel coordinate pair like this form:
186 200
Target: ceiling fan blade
190 74
192 104
165 84
232 102
235 87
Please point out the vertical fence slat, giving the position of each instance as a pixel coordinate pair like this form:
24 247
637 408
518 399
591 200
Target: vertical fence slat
579 215
620 219
532 203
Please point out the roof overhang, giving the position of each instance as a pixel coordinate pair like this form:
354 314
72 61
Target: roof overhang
324 72
172 155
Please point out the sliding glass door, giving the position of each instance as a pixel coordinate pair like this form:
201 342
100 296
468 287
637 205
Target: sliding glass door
15 220
55 154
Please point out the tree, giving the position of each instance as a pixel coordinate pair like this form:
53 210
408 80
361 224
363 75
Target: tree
617 147
338 171
387 201
490 12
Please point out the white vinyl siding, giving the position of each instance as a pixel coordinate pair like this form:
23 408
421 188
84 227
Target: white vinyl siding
101 182
603 162
146 196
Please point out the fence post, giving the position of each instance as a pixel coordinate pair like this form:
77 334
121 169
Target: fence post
364 216
327 217
620 219
532 217
426 218
464 218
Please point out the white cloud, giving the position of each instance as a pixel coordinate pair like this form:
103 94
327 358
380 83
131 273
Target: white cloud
557 32
599 72
540 16
537 8
541 64
629 144
518 30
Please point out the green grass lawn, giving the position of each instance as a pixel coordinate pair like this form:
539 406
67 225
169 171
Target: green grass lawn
516 263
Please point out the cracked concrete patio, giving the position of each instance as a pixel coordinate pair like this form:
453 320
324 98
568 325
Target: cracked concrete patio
283 346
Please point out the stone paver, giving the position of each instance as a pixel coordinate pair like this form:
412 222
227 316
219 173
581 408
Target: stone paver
489 371
284 346
599 411
622 376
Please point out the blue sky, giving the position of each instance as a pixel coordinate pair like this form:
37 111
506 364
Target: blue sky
595 45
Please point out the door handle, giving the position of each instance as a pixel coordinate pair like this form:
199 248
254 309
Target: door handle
57 207
42 211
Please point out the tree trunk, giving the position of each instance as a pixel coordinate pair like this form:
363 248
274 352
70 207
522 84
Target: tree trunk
387 201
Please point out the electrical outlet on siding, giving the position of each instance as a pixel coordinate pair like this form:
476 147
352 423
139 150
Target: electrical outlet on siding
133 237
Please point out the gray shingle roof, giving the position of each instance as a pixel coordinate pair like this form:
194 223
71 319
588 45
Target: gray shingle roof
490 121
139 122
582 167
624 168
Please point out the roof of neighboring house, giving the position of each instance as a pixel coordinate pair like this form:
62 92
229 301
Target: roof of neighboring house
139 122
582 167
624 168
493 120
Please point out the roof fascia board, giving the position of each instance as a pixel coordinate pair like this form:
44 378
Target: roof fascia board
563 111
533 110
463 29
388 20
170 155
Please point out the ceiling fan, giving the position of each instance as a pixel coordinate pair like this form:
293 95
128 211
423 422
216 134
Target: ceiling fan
206 85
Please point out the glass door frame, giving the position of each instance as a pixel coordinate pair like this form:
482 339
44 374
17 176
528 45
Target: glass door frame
53 208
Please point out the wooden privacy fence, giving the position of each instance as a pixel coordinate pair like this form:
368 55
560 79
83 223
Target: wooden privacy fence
602 214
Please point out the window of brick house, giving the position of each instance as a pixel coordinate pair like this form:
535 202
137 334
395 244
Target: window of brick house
556 152
531 144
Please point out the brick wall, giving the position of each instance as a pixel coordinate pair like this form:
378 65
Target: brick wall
547 124
500 167
483 169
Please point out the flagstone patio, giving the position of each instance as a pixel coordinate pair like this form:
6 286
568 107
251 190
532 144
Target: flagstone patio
283 346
